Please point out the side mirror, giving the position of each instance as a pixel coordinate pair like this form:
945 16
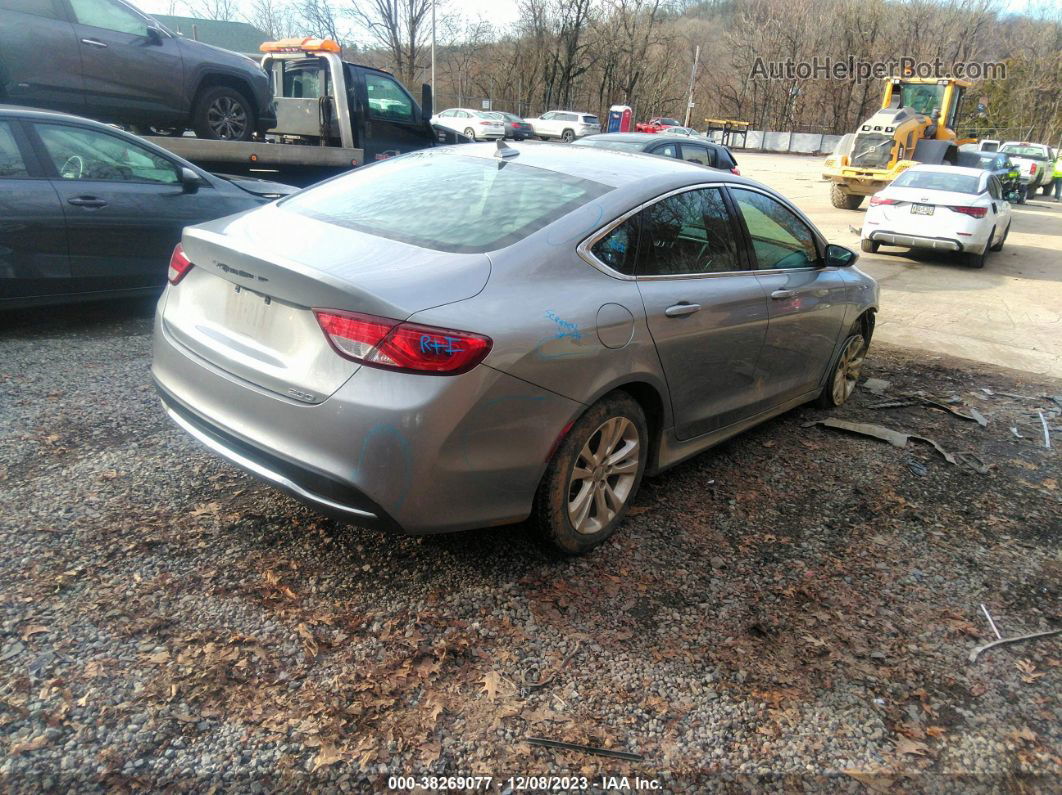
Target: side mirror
190 181
425 102
154 36
840 257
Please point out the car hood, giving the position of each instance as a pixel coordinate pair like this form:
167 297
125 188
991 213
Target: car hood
264 188
218 55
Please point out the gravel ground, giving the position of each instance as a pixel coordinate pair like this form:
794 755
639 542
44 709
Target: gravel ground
791 610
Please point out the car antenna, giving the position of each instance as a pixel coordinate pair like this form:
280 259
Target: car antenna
504 150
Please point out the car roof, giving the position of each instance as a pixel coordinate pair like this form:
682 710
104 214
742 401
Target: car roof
605 166
970 172
640 137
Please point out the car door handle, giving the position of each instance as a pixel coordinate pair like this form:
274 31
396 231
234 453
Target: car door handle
681 310
95 43
780 294
86 201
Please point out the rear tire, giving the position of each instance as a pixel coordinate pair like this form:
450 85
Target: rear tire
842 200
593 477
568 136
999 246
869 246
1047 189
221 113
470 133
976 260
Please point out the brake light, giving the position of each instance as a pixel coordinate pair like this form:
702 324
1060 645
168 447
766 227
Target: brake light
973 212
179 264
1032 168
877 200
407 347
488 123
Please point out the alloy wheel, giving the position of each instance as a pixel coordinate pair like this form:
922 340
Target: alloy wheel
227 118
603 475
848 368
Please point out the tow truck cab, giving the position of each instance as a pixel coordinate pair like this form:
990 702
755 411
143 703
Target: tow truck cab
323 100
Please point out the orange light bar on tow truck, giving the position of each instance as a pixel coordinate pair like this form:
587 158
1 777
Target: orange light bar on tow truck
297 44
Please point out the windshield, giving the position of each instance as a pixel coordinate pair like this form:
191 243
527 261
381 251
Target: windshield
446 201
590 120
937 180
872 150
923 98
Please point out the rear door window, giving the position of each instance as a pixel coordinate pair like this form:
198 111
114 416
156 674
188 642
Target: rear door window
445 201
11 162
696 153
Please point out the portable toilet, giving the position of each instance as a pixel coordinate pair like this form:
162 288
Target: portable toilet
620 118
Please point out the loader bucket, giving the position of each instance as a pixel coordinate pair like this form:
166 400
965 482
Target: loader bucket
934 152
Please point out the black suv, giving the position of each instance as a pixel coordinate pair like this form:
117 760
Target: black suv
107 60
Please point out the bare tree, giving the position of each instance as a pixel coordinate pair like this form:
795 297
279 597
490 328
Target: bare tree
225 10
400 27
273 17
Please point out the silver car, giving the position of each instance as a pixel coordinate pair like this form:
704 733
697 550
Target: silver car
471 336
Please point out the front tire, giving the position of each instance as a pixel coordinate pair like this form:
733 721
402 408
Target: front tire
869 246
845 374
593 477
842 200
223 114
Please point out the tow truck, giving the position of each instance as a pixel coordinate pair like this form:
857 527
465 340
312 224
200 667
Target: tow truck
332 115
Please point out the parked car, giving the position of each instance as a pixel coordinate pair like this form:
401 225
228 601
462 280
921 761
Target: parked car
1035 162
516 129
1000 165
531 347
106 60
701 152
89 211
479 125
656 125
565 125
948 208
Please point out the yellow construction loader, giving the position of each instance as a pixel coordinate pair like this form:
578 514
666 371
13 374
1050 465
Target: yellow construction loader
916 124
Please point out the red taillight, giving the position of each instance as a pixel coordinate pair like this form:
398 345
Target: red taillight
877 200
973 212
736 171
408 347
179 264
487 122
1032 168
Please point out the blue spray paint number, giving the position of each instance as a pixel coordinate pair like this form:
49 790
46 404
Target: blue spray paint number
430 344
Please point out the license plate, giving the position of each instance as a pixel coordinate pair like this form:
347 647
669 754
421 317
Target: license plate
922 209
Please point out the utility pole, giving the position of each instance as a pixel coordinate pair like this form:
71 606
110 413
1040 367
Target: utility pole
433 51
693 76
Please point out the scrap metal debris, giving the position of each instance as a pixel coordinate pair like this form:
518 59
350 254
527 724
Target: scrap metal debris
1047 433
991 623
876 386
973 416
894 404
1014 430
977 652
895 438
586 749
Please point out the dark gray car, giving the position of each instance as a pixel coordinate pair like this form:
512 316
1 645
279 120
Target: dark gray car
106 60
567 320
681 147
89 211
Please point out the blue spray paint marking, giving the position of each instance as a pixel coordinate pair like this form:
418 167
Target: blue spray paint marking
384 428
567 328
430 344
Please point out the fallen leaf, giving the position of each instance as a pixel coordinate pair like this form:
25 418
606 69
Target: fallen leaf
35 744
875 782
908 746
158 657
935 731
1024 733
33 629
490 684
327 755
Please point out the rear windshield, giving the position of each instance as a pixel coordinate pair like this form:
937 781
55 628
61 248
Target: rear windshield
1025 151
937 180
602 143
590 120
446 201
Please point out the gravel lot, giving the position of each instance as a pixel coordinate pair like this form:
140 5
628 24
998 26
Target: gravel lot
793 609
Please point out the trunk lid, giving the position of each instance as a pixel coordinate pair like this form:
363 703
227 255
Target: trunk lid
906 197
246 304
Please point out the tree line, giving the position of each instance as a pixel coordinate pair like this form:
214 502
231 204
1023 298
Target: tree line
590 54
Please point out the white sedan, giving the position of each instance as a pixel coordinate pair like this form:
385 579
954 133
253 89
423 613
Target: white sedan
479 125
940 207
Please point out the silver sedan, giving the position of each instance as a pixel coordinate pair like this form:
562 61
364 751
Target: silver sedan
471 336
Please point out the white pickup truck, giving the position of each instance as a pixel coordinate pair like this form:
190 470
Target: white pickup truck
1035 163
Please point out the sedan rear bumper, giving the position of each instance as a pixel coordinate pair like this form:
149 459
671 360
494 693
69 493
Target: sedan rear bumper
915 241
